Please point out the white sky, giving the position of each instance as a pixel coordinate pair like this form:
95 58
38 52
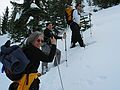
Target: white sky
5 3
94 68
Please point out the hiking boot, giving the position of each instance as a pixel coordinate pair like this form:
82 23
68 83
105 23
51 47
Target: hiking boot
83 45
72 45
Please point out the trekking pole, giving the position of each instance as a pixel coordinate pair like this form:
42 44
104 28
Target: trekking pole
60 76
59 73
90 25
90 17
66 51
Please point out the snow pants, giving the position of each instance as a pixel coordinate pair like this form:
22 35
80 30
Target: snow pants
57 57
76 36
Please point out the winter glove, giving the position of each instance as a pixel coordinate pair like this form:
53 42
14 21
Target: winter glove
3 69
7 44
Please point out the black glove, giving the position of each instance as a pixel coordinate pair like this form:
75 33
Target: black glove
7 44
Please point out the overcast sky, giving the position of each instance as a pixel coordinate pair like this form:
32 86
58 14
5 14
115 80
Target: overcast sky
3 5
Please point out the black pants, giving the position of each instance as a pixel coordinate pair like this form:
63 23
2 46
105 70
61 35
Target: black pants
34 85
76 36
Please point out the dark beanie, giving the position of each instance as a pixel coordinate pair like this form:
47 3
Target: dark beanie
30 40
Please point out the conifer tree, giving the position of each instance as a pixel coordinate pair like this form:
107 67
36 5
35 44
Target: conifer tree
32 19
20 19
4 27
77 1
54 12
0 25
106 3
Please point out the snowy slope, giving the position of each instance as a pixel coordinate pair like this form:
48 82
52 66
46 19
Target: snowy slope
94 68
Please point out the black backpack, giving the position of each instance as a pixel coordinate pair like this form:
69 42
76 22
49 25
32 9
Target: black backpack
14 61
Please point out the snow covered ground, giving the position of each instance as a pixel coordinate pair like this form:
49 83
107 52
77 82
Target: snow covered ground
93 68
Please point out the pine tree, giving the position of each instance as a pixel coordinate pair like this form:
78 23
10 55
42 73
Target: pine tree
5 21
77 1
0 25
106 3
68 1
54 12
32 19
20 19
85 22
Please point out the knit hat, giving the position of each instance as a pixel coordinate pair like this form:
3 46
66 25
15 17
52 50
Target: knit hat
30 40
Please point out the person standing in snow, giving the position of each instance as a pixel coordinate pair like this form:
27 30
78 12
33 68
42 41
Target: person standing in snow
48 33
74 26
29 80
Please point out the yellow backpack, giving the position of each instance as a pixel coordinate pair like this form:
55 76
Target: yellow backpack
69 14
23 85
25 82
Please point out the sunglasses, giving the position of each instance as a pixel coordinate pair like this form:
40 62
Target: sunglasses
82 6
79 6
40 40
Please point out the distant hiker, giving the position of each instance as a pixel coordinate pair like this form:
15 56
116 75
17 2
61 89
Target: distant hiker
48 33
29 80
76 36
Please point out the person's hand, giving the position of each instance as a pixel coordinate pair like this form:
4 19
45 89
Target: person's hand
7 44
53 40
64 35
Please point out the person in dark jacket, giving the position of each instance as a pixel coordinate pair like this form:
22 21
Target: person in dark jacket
48 33
35 55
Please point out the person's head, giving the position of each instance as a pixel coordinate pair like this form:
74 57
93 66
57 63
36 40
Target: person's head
49 26
79 6
35 39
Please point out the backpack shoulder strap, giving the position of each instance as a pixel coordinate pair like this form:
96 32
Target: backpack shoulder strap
72 13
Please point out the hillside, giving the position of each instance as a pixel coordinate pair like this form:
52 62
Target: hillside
93 68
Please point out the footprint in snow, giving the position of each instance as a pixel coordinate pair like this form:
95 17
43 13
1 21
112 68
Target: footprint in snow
102 77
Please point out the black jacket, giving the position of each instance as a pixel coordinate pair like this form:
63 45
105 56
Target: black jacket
48 33
35 55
